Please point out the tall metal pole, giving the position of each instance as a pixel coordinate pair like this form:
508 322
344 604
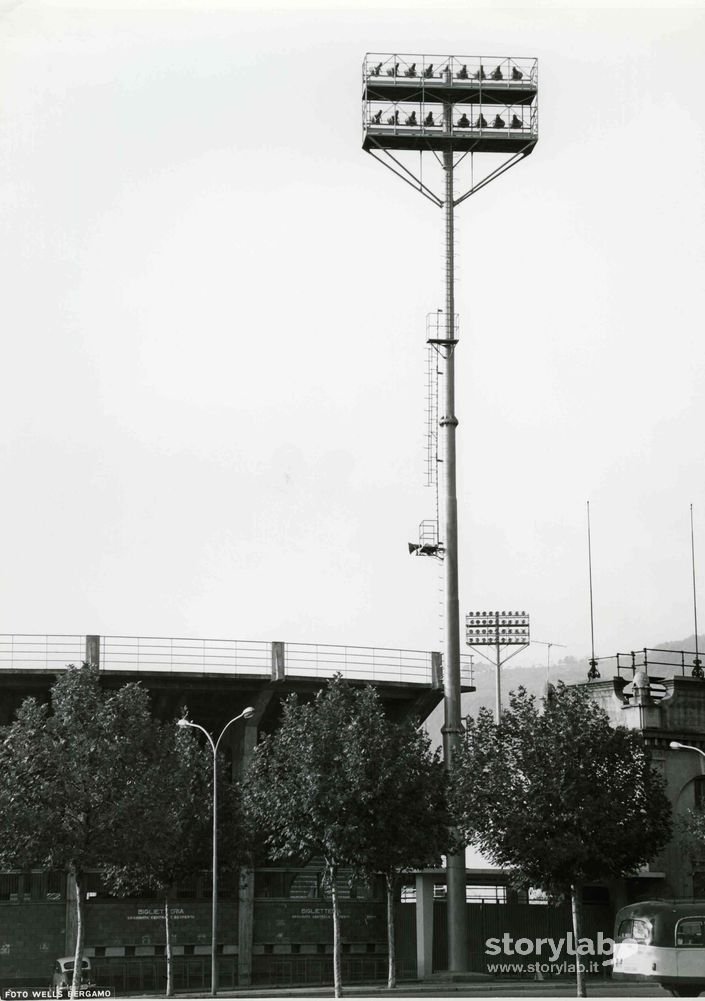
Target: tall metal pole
388 80
498 680
452 729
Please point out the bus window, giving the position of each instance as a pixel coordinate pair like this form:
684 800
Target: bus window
689 931
634 930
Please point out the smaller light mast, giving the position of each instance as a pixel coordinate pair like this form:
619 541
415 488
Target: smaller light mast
499 630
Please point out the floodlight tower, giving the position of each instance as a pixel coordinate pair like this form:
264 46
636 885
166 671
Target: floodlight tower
481 113
499 630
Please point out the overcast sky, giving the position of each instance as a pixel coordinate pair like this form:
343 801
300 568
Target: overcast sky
212 328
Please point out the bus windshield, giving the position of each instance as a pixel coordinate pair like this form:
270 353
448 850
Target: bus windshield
634 930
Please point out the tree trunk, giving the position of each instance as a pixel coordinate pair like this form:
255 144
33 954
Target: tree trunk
80 925
336 932
167 947
576 900
391 946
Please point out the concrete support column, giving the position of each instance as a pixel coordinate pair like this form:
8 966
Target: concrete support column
246 895
436 669
93 651
424 925
245 918
278 661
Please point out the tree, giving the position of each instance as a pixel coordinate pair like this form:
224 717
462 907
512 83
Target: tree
559 796
409 823
180 823
72 794
311 787
690 834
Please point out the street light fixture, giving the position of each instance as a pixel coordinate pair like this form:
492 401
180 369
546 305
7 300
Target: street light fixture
676 746
245 714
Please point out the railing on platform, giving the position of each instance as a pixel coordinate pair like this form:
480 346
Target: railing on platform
365 663
153 654
26 652
686 663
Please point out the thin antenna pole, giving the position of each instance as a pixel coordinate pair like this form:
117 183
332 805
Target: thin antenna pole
695 600
593 673
498 680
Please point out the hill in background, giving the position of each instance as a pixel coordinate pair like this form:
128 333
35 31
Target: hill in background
568 669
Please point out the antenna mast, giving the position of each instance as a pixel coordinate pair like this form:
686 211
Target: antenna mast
593 673
696 662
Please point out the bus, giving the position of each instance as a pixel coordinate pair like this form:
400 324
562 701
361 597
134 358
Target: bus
662 941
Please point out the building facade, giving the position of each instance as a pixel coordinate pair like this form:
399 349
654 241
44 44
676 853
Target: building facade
660 693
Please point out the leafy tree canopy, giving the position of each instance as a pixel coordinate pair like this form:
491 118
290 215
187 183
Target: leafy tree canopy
70 775
690 832
179 817
410 822
557 794
338 780
311 787
75 789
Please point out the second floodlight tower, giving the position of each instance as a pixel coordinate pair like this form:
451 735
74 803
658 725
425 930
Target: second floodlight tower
476 117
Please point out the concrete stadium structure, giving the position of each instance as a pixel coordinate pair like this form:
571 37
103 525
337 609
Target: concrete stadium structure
274 923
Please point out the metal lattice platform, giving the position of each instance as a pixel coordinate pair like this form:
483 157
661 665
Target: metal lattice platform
462 104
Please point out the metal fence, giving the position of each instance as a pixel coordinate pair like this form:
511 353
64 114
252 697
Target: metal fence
154 654
675 662
24 652
365 663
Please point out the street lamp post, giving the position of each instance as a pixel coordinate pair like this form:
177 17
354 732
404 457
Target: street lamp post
245 714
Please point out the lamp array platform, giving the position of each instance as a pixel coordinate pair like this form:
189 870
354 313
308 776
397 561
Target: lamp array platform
462 103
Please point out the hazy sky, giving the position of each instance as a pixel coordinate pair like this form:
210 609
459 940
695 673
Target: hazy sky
213 328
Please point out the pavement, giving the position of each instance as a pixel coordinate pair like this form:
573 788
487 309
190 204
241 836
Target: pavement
438 987
435 987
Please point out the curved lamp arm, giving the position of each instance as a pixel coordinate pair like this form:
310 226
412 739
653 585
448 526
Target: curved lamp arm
245 714
676 746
